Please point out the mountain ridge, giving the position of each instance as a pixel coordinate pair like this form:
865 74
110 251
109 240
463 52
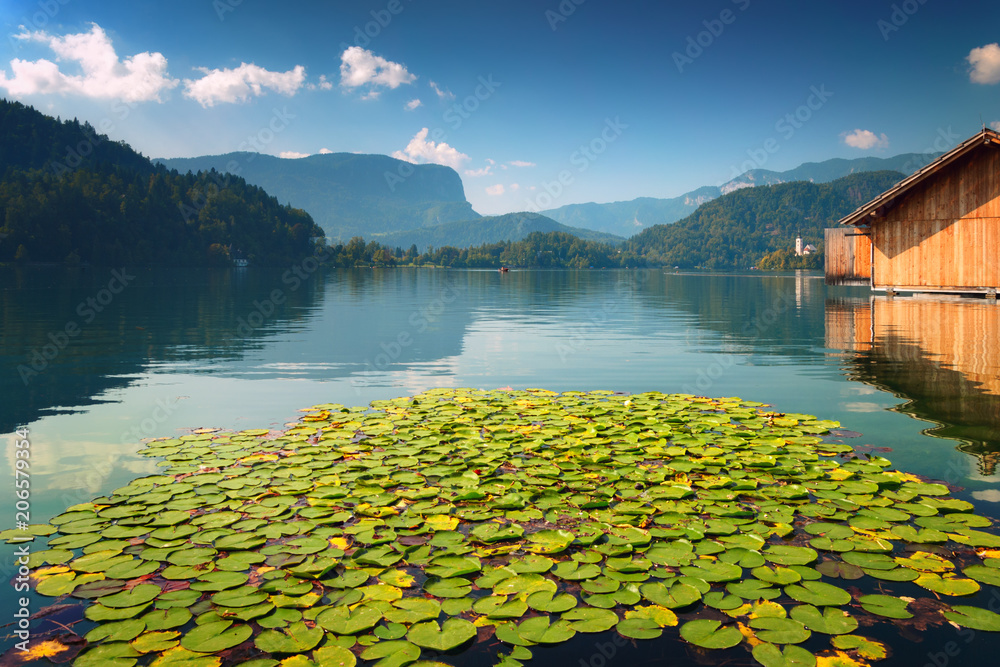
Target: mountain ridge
486 230
349 194
626 218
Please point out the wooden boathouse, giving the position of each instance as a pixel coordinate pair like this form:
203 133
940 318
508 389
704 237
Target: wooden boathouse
937 230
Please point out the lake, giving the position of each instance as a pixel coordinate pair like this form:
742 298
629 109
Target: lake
94 361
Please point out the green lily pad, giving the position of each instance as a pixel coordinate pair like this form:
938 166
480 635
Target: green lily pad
770 655
243 596
156 642
947 584
983 574
539 630
297 638
166 619
710 634
491 533
215 637
392 653
780 630
499 607
589 619
818 593
549 541
885 605
119 631
139 595
783 554
829 621
549 602
452 633
753 589
780 576
974 618
639 628
676 595
455 587
333 656
571 570
413 610
345 621
524 584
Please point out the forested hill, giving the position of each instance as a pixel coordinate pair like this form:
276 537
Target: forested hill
32 140
70 194
738 229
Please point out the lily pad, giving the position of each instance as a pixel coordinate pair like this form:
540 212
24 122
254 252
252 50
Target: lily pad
818 593
215 637
828 621
452 633
885 605
780 630
974 617
710 634
770 655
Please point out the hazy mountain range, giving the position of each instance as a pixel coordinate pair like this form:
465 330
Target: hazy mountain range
490 229
349 194
627 218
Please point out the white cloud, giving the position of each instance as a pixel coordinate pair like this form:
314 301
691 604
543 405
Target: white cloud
985 61
241 83
295 155
495 190
514 187
413 104
521 163
443 94
477 173
139 78
322 85
865 139
995 125
420 151
359 67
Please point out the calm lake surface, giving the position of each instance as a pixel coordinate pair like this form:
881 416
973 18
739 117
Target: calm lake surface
91 363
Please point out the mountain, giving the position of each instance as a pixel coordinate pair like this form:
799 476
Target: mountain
70 194
626 218
481 231
739 228
349 194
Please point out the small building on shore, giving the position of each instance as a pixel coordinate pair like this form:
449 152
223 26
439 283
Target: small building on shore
937 230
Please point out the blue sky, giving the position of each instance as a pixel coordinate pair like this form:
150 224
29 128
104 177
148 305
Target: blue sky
536 103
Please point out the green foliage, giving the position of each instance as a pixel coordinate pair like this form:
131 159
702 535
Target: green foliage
72 195
546 250
785 259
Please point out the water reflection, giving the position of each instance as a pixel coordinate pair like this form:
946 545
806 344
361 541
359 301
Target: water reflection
942 356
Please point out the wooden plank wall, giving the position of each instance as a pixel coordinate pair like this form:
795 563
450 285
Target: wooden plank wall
847 256
946 231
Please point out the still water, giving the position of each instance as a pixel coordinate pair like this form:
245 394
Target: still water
92 362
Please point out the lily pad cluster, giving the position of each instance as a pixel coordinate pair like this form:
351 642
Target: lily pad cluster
420 527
